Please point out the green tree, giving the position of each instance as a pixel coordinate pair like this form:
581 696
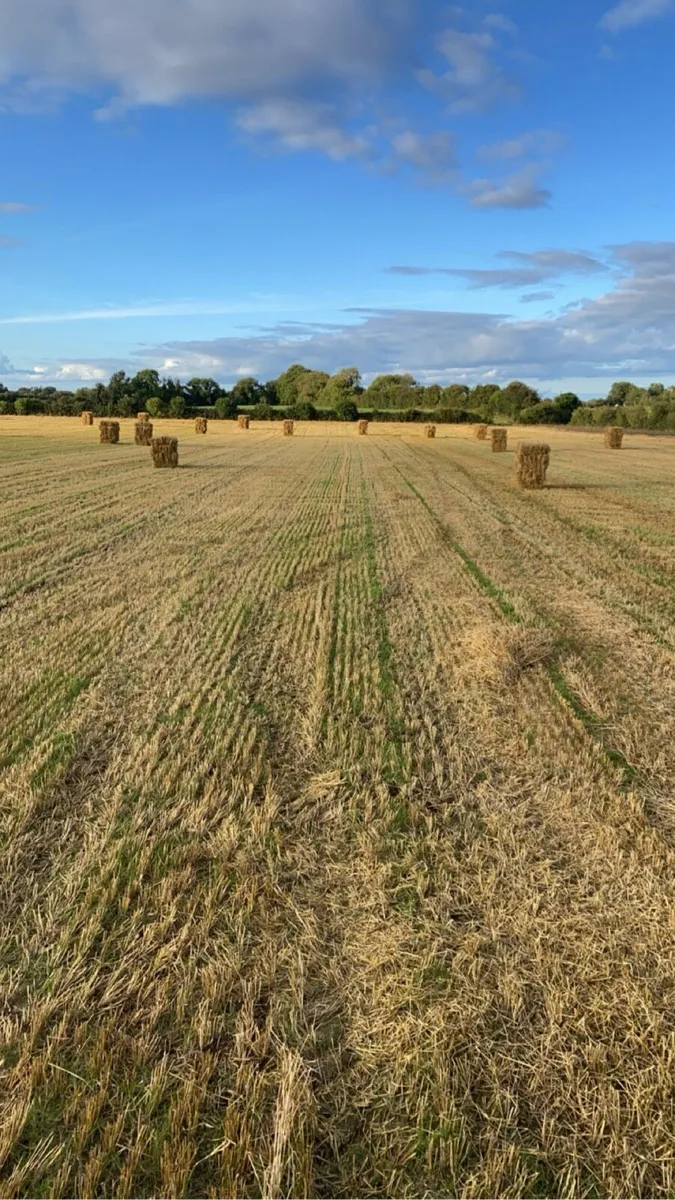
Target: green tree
303 410
202 393
226 405
144 384
263 412
456 395
177 406
391 391
28 405
345 385
655 389
312 385
346 410
516 395
117 388
432 395
288 383
247 391
155 406
618 392
484 399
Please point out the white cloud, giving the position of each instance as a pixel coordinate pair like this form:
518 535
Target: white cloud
168 308
164 51
318 76
474 81
533 297
530 269
536 141
13 206
519 190
628 329
629 13
434 154
300 125
501 22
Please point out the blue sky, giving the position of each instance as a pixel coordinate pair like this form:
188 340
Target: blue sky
223 187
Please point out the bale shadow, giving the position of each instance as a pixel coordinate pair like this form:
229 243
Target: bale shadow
573 487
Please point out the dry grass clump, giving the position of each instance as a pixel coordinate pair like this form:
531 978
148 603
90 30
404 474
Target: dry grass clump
143 433
243 420
613 437
430 431
532 460
498 437
480 432
164 451
201 425
87 418
363 427
501 655
288 429
142 416
109 432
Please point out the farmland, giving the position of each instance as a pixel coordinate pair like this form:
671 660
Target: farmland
337 817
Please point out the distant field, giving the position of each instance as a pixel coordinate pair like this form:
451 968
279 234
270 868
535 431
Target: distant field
337 815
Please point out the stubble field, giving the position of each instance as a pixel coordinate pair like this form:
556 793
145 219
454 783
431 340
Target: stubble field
337 815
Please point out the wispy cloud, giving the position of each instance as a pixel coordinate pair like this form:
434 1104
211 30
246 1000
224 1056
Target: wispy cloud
537 141
629 13
529 269
14 206
519 190
300 126
474 80
135 311
627 330
533 297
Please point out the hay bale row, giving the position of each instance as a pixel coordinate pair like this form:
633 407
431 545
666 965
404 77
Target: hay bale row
480 432
201 425
498 437
143 433
613 437
243 420
532 459
164 451
430 431
109 432
87 418
288 429
363 427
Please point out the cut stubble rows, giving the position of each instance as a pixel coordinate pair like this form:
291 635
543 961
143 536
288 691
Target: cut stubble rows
336 816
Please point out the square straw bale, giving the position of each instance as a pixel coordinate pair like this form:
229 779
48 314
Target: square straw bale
480 432
532 459
142 416
164 451
201 425
363 427
143 433
498 437
109 432
87 418
613 437
288 429
430 431
243 420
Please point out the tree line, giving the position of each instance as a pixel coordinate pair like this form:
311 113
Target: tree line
303 394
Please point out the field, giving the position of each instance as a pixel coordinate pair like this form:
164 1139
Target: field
337 815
